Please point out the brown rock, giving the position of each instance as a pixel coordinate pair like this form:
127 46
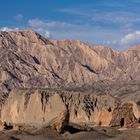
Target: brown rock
39 111
58 109
29 60
123 116
91 82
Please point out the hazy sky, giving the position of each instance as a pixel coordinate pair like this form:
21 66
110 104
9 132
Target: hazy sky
115 23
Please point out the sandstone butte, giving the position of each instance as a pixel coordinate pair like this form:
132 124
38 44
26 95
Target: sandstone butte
66 83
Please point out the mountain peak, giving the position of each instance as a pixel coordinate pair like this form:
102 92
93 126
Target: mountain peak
134 48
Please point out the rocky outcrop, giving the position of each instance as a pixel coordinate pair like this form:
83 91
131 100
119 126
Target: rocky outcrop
60 110
123 116
35 109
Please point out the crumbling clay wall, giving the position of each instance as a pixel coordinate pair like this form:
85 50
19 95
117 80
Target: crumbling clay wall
123 116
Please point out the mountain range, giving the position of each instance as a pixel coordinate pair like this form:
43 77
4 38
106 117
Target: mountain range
68 86
27 60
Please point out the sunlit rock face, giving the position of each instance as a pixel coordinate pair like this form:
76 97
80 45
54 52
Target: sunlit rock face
57 109
34 109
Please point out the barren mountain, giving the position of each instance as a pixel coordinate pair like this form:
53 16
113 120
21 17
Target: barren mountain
27 59
67 85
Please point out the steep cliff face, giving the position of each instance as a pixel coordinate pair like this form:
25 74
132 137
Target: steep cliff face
34 109
29 60
62 109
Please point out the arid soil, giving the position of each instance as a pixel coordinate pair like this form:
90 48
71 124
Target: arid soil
96 134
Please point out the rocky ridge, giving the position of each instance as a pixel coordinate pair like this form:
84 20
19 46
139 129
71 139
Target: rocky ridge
28 60
67 110
66 84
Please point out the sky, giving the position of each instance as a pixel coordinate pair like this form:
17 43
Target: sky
113 23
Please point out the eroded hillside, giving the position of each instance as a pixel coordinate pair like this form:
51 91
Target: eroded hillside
28 60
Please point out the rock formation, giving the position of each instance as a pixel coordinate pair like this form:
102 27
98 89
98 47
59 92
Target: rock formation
60 110
34 110
87 85
28 60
